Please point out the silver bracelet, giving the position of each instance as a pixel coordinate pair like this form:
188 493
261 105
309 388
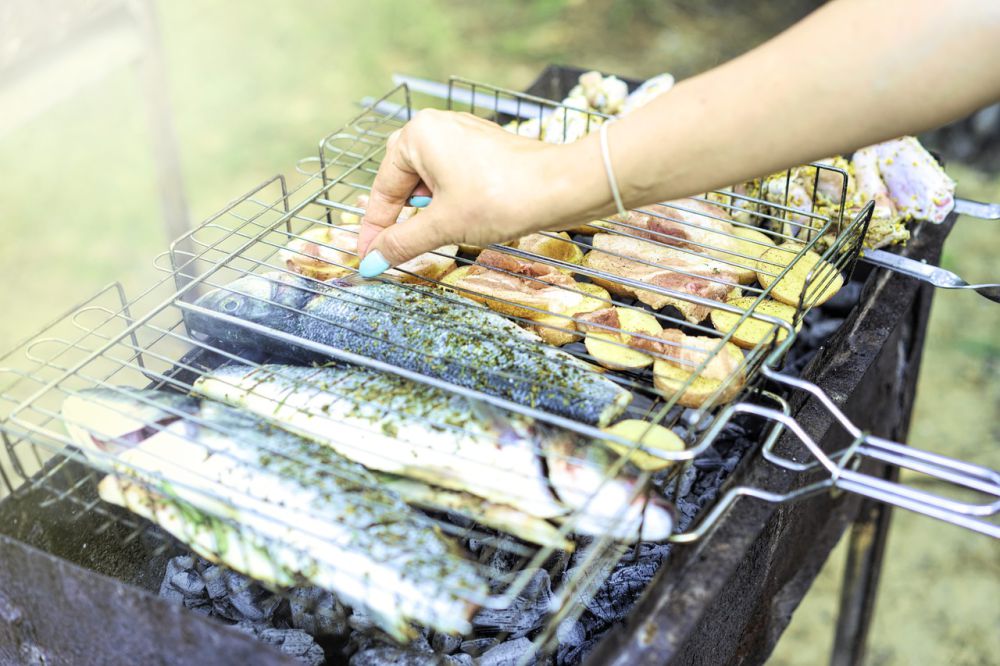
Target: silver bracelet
612 181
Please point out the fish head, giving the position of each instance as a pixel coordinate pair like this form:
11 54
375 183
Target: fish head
273 300
112 420
605 496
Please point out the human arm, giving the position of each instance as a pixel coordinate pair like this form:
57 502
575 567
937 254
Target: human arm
853 73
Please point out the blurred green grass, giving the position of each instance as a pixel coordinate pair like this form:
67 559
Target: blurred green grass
254 86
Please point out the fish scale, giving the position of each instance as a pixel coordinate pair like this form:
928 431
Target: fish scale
393 425
276 506
424 330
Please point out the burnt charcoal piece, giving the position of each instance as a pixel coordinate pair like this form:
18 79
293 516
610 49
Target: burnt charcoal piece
215 584
175 566
254 602
843 301
478 646
295 643
507 653
460 659
317 612
393 656
189 583
445 643
524 615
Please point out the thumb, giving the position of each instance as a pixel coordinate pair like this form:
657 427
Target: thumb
401 242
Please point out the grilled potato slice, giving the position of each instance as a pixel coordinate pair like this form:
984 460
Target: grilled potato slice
754 243
753 332
695 390
322 252
611 349
429 266
591 228
826 279
554 246
649 436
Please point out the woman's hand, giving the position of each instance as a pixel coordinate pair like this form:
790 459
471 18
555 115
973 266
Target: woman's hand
487 186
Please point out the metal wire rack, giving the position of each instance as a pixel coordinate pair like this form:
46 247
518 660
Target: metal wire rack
101 342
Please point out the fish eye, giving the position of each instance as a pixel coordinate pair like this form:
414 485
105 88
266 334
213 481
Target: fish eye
231 304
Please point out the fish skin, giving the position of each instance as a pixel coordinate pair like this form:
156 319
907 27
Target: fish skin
276 506
400 427
425 330
498 516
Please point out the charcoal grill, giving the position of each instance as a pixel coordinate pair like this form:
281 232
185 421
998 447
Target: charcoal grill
690 605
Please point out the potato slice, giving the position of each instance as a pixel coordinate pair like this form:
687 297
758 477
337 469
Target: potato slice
430 266
753 332
322 252
611 349
649 436
591 228
826 280
672 378
557 246
759 241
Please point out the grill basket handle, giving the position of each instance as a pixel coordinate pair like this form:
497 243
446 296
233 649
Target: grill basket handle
842 467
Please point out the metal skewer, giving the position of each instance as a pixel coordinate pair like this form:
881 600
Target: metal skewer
935 275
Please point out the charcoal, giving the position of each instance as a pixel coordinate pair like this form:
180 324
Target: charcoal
821 331
508 653
842 302
168 592
614 598
477 646
359 621
201 609
570 636
215 584
188 582
392 656
503 559
317 612
685 481
252 601
460 659
526 613
175 566
445 643
420 644
698 420
577 654
295 643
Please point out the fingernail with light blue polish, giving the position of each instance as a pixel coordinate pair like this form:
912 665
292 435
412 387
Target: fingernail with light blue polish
373 264
420 201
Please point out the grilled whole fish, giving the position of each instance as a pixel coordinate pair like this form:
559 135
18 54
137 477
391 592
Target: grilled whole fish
425 330
275 506
397 426
498 516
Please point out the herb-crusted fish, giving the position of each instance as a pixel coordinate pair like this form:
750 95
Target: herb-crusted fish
275 506
422 329
397 426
